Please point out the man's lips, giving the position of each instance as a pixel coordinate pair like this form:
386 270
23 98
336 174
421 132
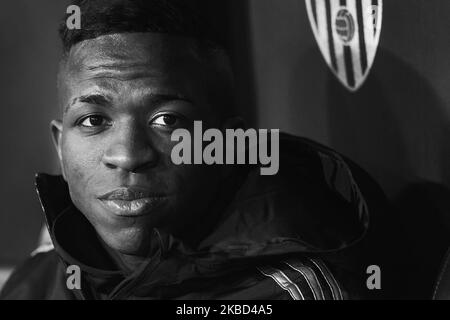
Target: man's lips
132 202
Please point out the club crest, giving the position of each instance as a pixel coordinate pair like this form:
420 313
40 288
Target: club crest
348 34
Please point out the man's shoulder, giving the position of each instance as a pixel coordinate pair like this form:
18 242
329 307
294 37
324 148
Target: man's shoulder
306 278
41 276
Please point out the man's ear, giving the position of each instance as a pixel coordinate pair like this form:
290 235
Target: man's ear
56 128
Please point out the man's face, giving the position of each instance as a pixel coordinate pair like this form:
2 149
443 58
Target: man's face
123 96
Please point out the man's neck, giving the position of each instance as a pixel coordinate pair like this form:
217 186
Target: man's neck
125 262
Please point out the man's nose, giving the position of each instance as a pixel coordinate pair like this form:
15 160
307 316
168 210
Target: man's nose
130 150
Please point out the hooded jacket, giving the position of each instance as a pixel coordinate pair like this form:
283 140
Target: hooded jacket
277 238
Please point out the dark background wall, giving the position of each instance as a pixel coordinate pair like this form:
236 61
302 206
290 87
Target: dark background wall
397 125
28 61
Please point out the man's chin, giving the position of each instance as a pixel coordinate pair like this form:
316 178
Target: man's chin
133 241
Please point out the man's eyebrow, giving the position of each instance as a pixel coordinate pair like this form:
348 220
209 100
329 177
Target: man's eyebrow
97 99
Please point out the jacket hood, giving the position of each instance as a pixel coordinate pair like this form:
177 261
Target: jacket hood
313 205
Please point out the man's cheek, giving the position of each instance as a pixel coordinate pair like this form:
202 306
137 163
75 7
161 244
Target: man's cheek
75 179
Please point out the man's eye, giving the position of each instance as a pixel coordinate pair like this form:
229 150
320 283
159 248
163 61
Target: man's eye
93 121
167 120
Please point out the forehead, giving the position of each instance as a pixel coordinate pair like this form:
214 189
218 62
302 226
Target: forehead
134 59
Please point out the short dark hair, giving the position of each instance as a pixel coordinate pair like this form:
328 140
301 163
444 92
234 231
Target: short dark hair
103 17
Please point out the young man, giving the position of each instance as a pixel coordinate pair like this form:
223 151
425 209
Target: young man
140 227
